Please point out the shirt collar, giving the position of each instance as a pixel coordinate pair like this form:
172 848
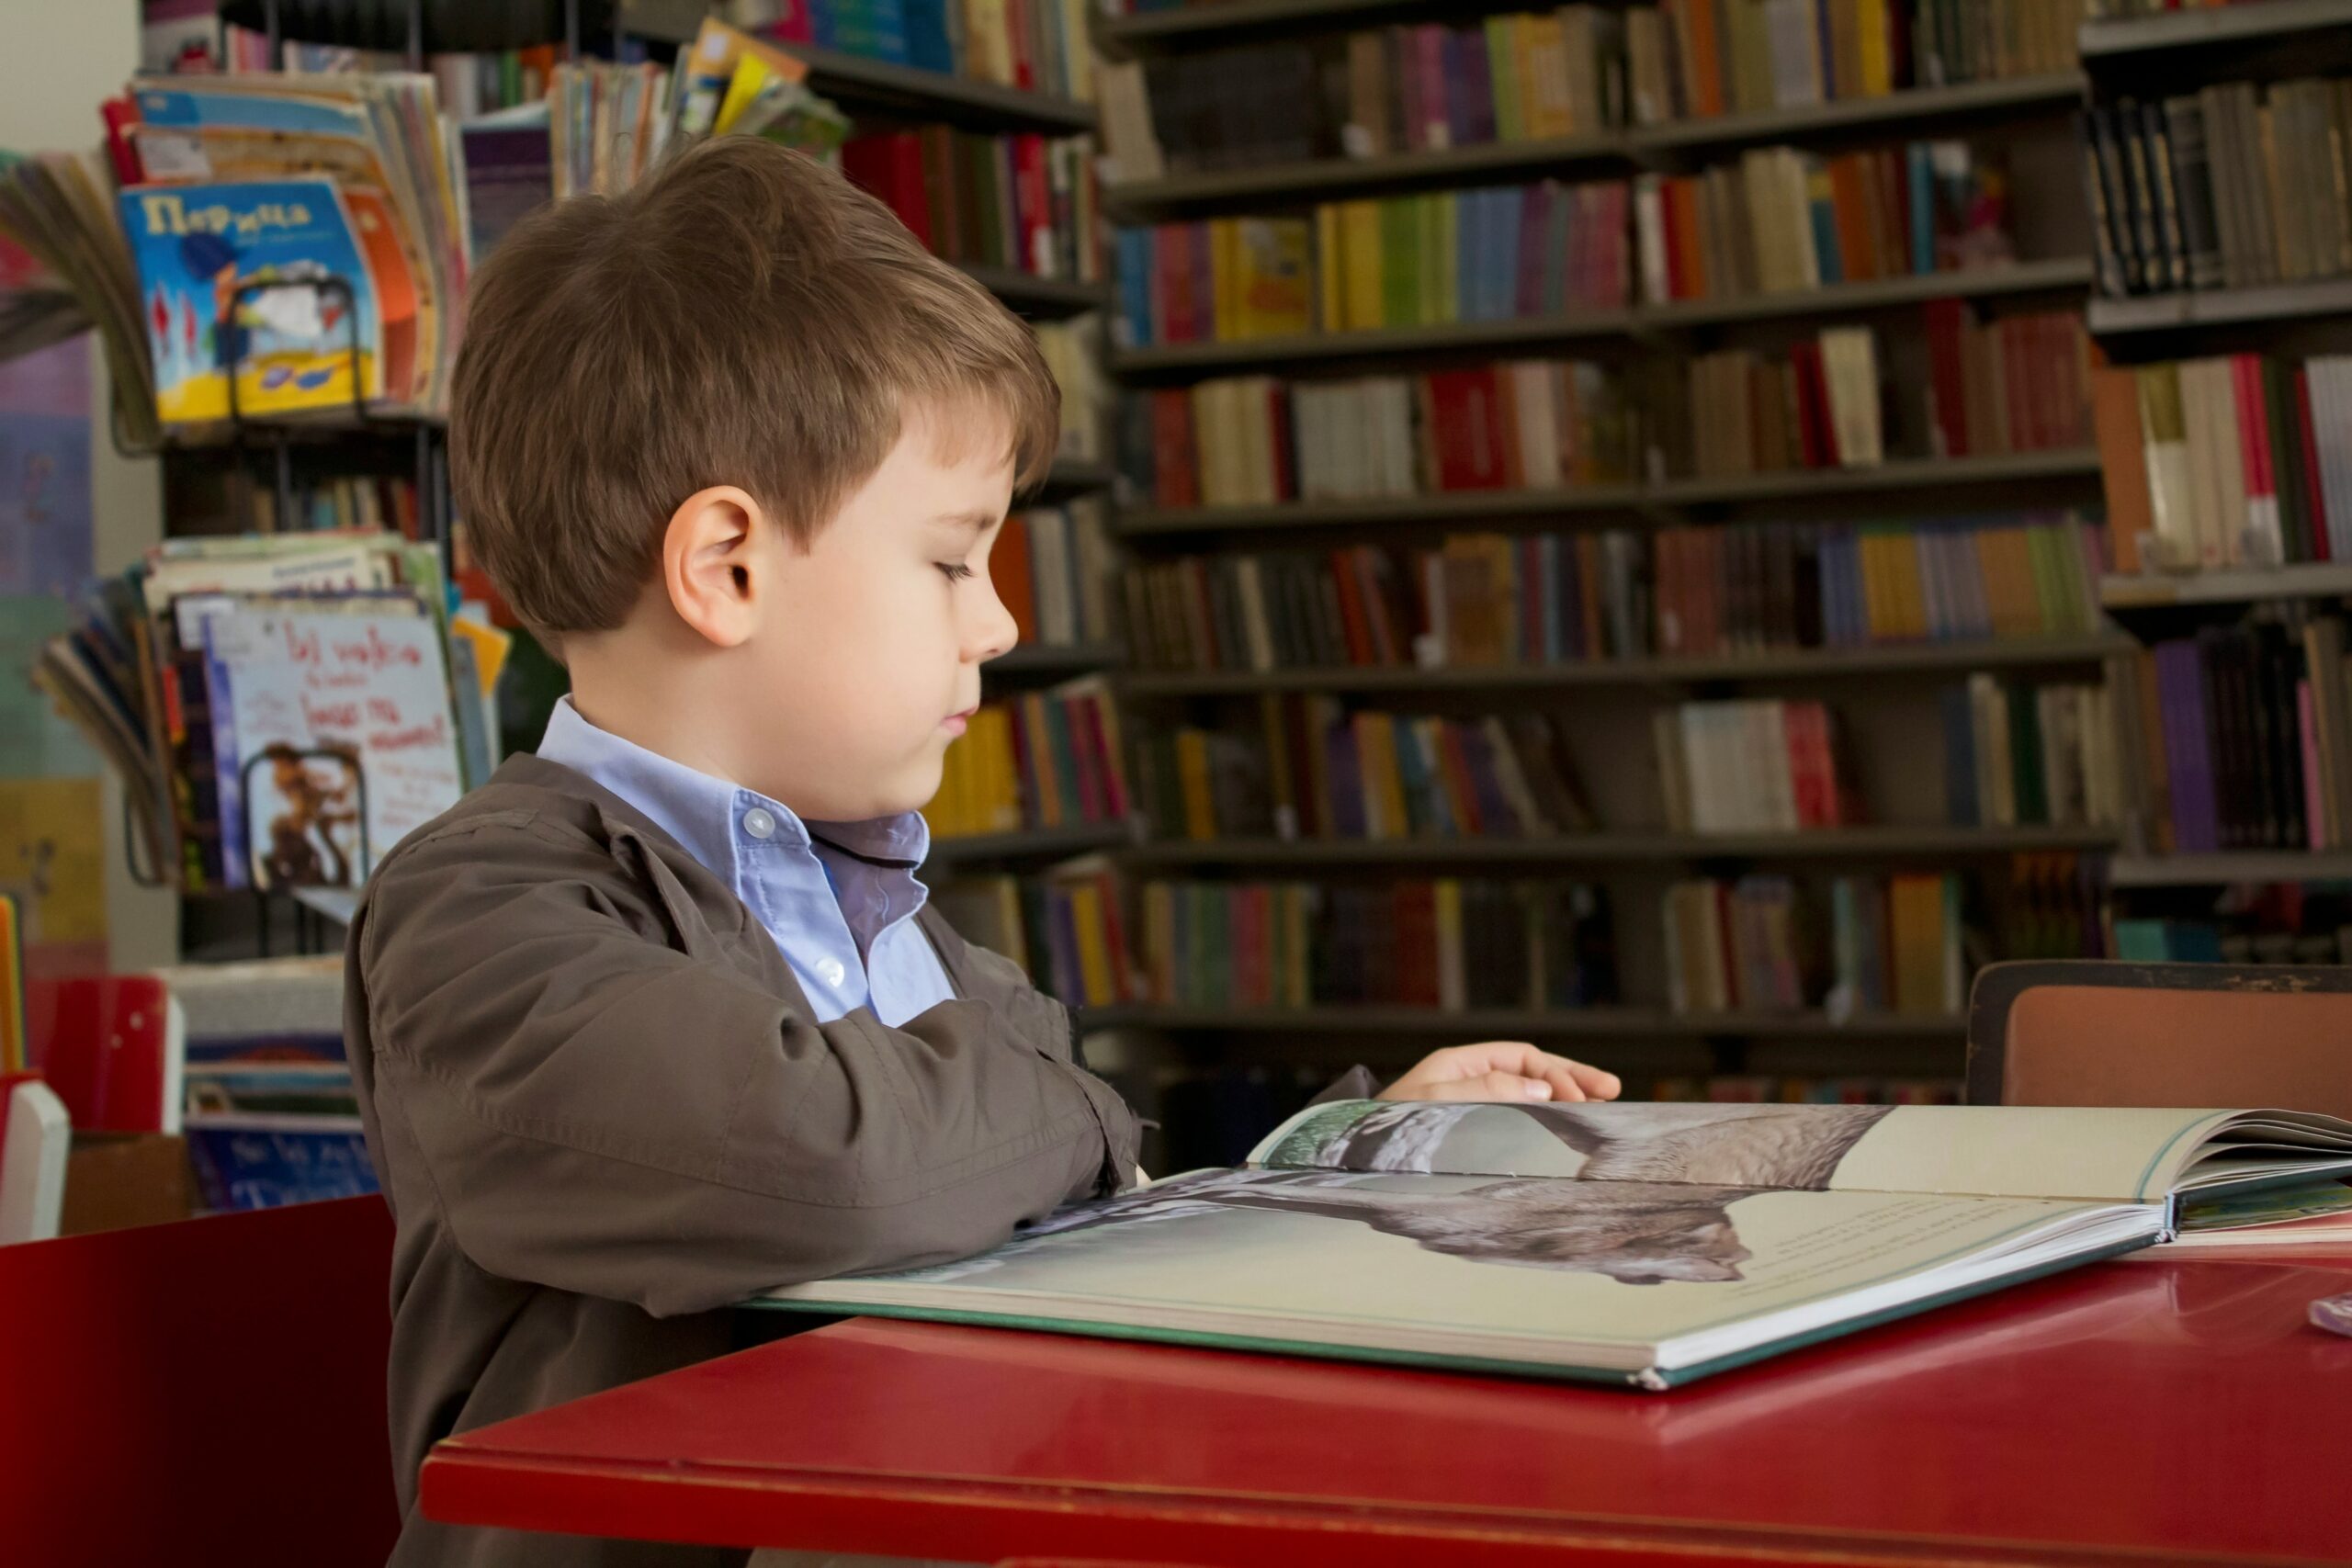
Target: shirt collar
699 810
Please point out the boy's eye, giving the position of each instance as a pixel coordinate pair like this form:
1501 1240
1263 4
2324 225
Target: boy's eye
956 570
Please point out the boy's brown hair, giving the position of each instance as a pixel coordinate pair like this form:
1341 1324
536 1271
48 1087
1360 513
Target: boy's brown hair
745 316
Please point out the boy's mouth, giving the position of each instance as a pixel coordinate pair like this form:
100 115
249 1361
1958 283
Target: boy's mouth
954 722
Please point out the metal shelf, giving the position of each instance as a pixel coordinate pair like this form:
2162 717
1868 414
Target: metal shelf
2221 307
2204 25
1920 658
1323 177
1890 843
1039 295
1901 473
2244 586
1833 300
1595 1023
2228 869
1056 658
1906 109
1031 843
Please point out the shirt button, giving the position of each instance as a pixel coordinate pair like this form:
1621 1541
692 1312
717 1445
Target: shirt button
759 822
829 970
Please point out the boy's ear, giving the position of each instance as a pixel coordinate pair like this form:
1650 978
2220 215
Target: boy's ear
708 565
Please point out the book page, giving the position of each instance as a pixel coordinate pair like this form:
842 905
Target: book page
1445 1261
2121 1156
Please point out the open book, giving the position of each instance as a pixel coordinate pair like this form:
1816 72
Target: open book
1628 1243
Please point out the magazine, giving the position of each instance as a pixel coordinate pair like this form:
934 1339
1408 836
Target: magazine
1640 1244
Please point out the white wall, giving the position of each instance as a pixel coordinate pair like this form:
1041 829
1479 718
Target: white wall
58 58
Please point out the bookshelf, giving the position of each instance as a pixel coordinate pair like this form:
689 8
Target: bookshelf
1878 845
1926 660
2213 283
1053 660
1606 705
1031 845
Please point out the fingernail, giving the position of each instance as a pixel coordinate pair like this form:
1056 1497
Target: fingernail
1538 1089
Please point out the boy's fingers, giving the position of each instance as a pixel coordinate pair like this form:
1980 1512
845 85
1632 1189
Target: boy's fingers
1503 1085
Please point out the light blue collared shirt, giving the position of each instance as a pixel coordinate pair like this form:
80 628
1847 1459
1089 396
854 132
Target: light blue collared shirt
845 924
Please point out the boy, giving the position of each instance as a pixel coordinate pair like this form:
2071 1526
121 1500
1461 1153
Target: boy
660 1017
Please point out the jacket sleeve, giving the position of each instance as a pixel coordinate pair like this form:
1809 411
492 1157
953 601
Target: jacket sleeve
598 1112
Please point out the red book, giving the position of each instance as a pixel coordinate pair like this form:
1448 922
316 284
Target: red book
1352 620
1020 28
1669 228
1387 647
1095 743
1114 938
1466 405
1092 804
1458 782
1815 435
2311 486
1175 474
1034 216
1009 570
1946 335
1278 418
121 114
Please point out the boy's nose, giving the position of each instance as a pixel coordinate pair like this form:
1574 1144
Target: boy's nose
992 630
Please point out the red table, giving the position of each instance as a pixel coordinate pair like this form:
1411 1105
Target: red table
2170 1412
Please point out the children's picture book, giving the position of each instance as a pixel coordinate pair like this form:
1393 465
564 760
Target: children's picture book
267 279
1638 1244
333 734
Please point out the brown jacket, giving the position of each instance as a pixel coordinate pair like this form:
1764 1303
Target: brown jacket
602 1111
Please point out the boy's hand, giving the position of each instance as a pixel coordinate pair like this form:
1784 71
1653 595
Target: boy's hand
1501 1069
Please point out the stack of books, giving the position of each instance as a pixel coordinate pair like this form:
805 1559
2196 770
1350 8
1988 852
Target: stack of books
1026 203
1050 567
1493 599
1692 59
1252 440
1044 759
1315 771
1491 254
1441 944
1066 929
1753 765
1893 946
282 709
2248 738
1782 220
2019 755
2232 186
2236 460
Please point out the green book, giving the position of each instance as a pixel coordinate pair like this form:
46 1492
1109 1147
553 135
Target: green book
1400 262
1645 1245
1511 124
2025 756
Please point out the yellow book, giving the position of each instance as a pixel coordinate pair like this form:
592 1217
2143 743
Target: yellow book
1878 597
1160 940
1093 953
1911 592
1877 64
1504 45
1045 778
1449 256
1330 300
1192 775
1276 276
1225 278
1360 238
1542 66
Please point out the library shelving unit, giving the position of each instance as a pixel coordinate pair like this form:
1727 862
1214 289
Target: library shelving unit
2149 58
1609 700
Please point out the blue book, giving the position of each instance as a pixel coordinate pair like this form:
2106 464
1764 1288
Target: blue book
264 275
928 46
1135 286
1824 240
259 1160
1922 206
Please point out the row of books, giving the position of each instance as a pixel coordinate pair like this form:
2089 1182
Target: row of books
1763 944
607 125
1753 765
1314 770
2247 738
1700 58
1374 92
2018 754
1051 567
1818 408
2285 924
1066 929
2016 383
1072 352
1491 599
1249 440
1489 254
1443 943
364 502
1782 220
1049 759
2235 461
2232 186
283 708
1023 202
1037 48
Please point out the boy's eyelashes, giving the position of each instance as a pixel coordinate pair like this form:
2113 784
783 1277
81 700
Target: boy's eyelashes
956 570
